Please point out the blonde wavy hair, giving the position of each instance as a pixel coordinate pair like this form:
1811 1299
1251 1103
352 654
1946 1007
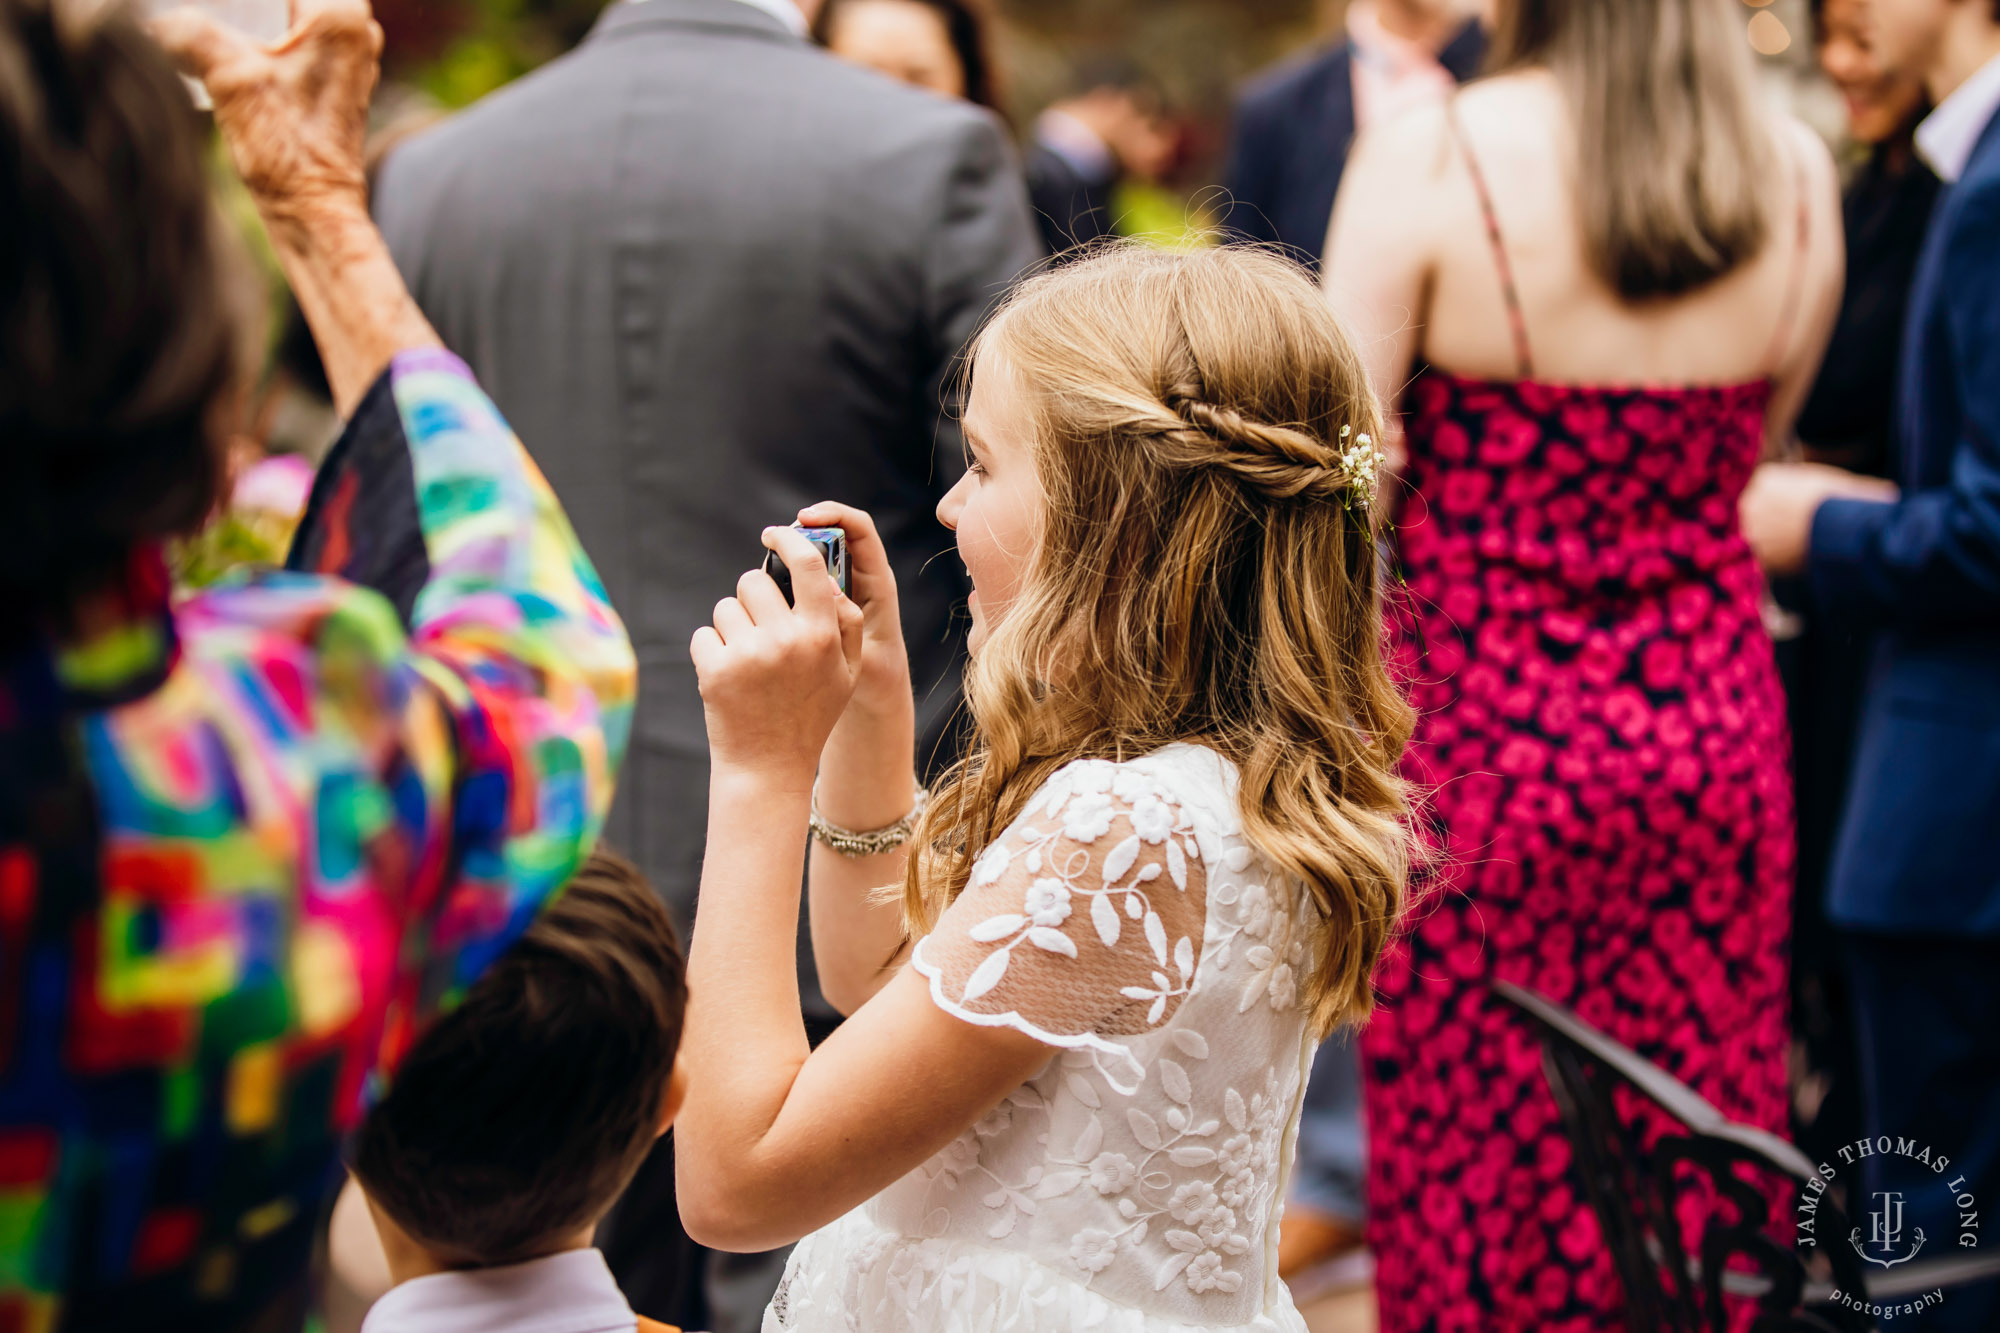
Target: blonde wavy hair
1207 572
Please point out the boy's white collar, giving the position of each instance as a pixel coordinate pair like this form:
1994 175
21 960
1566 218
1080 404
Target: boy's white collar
571 1292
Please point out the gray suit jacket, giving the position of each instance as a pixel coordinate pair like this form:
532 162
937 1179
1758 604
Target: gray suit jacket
712 275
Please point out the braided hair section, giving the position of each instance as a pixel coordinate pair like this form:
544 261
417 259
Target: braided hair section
1279 462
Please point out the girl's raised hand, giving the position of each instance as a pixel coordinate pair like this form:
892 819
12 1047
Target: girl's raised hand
775 678
883 686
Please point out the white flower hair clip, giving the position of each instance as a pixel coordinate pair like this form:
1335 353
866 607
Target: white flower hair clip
1361 465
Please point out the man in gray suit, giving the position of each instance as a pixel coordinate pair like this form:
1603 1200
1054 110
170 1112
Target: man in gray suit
711 275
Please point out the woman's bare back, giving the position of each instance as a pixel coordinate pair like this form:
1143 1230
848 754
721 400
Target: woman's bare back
1413 267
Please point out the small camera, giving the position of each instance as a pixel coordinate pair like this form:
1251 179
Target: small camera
832 544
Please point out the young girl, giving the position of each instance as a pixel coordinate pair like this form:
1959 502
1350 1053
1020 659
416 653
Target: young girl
1165 870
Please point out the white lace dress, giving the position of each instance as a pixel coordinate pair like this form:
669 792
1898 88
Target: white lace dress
1135 1184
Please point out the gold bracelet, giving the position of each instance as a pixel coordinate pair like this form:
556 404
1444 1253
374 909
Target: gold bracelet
875 841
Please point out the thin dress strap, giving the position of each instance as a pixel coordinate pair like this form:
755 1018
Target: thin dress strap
1517 321
1788 313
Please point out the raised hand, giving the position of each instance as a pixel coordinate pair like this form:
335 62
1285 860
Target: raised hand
775 678
294 113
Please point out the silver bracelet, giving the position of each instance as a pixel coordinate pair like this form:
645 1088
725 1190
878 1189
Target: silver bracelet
875 841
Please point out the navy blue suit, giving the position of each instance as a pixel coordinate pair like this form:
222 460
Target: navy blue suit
1289 147
1916 875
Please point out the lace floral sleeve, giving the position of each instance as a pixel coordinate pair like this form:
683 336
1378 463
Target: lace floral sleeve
1083 922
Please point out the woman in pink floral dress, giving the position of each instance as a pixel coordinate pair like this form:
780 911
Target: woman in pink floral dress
1619 275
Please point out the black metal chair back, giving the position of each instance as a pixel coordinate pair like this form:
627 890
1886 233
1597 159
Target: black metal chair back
1639 1182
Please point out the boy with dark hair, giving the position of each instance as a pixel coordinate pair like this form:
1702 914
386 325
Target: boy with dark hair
517 1120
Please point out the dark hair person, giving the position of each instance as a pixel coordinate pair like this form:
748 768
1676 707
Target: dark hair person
519 1117
251 838
1618 271
1849 422
943 45
119 342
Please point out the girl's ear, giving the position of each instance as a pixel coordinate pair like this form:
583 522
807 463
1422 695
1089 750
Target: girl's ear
676 1094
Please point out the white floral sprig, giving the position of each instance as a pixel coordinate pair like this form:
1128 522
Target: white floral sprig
1361 465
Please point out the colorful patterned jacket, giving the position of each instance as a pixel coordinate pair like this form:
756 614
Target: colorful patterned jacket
250 839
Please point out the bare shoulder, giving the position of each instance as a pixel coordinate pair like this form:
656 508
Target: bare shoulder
1509 122
1801 150
1806 160
1391 197
1511 114
1408 150
1805 141
1799 137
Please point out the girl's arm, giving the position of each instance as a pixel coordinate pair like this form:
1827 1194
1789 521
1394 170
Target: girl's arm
857 928
867 780
775 1139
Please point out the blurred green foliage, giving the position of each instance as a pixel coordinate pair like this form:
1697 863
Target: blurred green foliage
1163 217
457 51
233 540
474 66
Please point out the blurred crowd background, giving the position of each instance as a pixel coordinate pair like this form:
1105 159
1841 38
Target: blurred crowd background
1199 51
1177 67
1192 57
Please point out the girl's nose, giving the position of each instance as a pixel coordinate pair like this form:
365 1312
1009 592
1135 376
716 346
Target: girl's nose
953 504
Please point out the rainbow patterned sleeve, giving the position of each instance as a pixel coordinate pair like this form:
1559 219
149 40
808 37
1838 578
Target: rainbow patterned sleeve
509 632
250 840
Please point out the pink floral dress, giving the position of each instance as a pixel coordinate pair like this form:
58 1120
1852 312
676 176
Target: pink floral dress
1604 745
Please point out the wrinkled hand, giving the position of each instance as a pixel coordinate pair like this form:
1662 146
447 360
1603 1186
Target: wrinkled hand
1778 506
775 678
295 113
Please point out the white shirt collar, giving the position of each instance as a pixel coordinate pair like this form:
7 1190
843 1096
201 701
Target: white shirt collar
784 11
571 1292
1949 134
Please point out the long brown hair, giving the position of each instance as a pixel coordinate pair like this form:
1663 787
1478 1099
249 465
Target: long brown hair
1206 571
1673 156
